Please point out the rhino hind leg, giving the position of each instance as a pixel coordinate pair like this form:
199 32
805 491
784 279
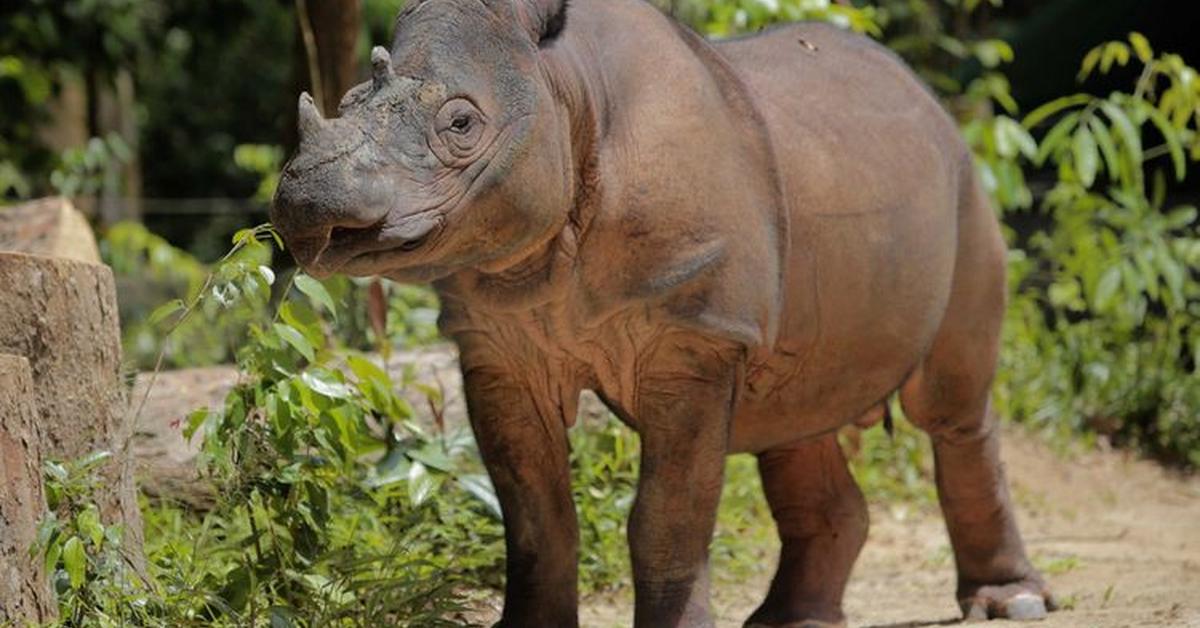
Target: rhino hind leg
995 579
821 517
948 396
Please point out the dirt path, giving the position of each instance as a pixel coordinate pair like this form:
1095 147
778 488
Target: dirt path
1119 540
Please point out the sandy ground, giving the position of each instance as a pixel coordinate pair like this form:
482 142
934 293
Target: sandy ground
1118 538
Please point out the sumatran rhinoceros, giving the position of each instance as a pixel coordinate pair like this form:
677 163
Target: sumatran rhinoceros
740 246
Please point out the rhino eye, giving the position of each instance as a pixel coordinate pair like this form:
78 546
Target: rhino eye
459 128
460 123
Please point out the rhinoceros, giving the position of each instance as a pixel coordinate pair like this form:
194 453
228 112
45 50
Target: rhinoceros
739 246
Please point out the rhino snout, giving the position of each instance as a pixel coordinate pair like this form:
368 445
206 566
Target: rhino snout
329 232
306 214
326 199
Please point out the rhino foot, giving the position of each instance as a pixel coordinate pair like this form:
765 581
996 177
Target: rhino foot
1020 601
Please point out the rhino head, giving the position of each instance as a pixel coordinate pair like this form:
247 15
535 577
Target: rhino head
452 156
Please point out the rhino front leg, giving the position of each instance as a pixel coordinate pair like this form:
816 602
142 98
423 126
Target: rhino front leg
525 452
683 409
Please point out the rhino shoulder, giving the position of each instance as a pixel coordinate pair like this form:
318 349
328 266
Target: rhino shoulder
726 285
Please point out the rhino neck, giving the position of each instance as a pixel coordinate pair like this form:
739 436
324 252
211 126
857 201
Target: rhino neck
543 272
580 89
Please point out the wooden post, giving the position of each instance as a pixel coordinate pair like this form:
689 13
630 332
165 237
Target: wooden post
61 315
25 595
48 226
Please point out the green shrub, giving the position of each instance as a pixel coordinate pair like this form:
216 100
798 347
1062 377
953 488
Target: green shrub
91 577
326 512
150 271
1103 330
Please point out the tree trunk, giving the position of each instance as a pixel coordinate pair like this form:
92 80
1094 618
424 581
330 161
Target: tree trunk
324 63
25 595
335 30
120 197
62 316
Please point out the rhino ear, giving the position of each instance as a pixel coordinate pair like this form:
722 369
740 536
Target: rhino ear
544 19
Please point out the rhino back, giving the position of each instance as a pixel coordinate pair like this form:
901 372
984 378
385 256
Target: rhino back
873 171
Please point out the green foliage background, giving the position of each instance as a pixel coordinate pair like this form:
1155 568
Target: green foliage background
337 507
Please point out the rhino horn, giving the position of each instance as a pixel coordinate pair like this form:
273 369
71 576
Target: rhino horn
310 119
381 65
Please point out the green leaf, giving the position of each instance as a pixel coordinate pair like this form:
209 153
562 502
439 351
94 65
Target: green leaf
1171 136
368 371
53 554
1173 274
1114 51
267 274
194 421
1132 280
1141 46
296 340
1089 63
163 311
55 471
317 292
90 461
282 617
1107 287
1086 156
993 52
1037 116
1144 259
74 561
1181 217
1158 189
304 320
1130 138
325 383
1056 138
953 46
118 148
47 529
243 237
479 486
432 456
392 468
1064 293
420 484
88 524
1108 148
1016 136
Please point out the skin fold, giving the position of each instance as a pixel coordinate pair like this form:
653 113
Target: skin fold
739 246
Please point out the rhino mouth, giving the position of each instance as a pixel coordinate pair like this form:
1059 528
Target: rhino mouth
387 245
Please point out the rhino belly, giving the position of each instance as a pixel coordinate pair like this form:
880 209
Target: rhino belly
865 294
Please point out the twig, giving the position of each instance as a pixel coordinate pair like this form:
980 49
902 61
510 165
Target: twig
162 351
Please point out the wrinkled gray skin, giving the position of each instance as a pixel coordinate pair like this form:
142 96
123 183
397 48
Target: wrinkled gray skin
739 246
